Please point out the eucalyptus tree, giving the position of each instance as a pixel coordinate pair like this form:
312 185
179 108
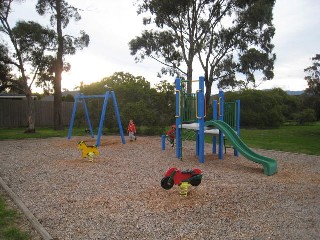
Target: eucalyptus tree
60 15
224 37
313 76
312 97
176 40
29 42
36 42
7 82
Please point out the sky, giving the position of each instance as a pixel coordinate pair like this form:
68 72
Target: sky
111 24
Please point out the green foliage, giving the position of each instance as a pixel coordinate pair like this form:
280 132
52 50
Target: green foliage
34 42
264 109
306 116
7 81
227 37
313 76
136 100
8 230
150 130
307 101
68 98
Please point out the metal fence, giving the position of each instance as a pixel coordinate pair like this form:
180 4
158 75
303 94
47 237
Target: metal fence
13 113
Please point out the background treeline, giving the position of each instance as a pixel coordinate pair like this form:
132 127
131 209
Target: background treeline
153 109
272 108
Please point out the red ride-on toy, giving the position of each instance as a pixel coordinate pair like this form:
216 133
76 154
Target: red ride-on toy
175 177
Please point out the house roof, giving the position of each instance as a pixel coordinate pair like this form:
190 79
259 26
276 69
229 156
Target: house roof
51 97
13 96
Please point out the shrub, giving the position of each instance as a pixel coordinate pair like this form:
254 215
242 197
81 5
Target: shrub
306 116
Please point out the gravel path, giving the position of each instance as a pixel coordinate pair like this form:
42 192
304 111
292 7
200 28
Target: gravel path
119 196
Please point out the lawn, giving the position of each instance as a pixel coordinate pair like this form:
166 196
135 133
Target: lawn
18 133
8 223
299 139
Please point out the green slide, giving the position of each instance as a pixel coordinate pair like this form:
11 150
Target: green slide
269 164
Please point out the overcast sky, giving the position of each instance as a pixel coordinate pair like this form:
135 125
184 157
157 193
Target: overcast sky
111 24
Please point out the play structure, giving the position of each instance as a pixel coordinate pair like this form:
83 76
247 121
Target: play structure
88 151
81 97
184 179
224 125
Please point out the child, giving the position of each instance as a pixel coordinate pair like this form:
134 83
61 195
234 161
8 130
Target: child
132 130
172 135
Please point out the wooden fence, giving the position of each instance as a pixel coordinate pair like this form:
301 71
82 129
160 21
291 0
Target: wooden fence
13 113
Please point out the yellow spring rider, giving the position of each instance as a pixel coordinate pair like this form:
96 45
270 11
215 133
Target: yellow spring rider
88 151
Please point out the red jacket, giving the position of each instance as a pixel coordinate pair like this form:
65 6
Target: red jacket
131 128
172 133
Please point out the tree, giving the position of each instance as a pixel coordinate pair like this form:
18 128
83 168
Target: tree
312 93
263 108
61 14
176 42
7 82
227 37
136 100
35 42
29 41
5 9
313 76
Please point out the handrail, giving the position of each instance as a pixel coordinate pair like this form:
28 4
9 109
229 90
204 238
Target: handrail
205 105
197 80
178 91
219 108
197 104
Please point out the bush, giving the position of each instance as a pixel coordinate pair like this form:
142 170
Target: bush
263 108
306 116
150 131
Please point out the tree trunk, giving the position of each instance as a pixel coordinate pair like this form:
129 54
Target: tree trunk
24 81
31 112
189 79
57 107
208 93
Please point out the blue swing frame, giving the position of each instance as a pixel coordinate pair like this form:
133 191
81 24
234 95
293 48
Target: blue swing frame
106 96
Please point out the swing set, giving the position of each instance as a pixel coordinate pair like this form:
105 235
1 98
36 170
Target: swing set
81 97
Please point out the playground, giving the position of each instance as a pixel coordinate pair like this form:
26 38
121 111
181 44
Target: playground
118 195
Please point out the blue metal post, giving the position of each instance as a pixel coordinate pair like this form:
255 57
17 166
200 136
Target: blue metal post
197 143
221 112
73 115
236 153
163 142
87 115
118 116
214 117
178 118
103 114
200 117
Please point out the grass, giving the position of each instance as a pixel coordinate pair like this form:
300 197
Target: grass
8 228
18 133
289 138
299 139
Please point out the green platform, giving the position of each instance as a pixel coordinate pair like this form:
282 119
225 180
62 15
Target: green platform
269 164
